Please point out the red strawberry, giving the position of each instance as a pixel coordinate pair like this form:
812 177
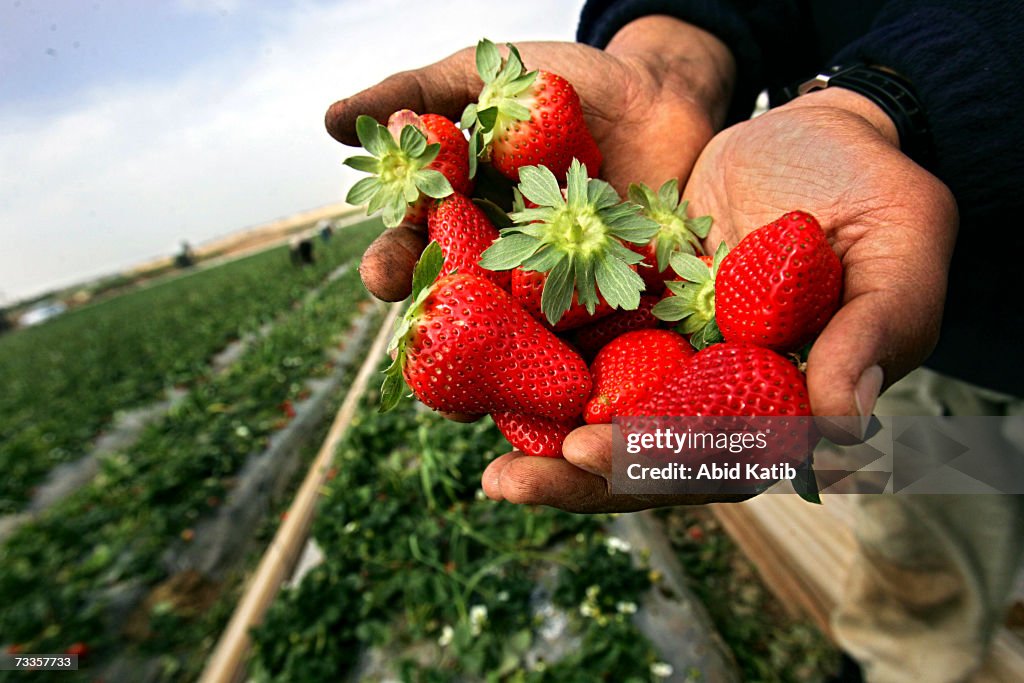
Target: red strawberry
576 239
463 231
630 368
676 232
80 649
780 286
777 288
732 379
465 346
526 118
414 159
527 288
535 435
592 337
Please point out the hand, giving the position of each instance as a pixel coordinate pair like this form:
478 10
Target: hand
579 483
835 154
652 99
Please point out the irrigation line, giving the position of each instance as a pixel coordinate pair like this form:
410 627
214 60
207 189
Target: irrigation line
226 663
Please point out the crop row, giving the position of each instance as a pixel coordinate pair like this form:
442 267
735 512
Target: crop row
445 584
62 573
63 381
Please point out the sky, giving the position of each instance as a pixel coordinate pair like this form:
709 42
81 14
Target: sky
129 126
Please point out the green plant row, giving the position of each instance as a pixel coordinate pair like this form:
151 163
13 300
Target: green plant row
420 563
64 380
60 574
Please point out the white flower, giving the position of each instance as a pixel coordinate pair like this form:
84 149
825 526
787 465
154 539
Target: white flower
503 596
626 607
593 592
477 618
588 609
446 636
661 669
350 527
242 432
480 495
615 543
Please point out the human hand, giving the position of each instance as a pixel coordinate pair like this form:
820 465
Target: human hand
835 154
652 99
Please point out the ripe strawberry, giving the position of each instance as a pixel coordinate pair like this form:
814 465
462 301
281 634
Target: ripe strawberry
576 239
527 287
535 435
414 159
732 378
80 649
777 288
676 232
592 337
465 346
630 368
780 286
463 231
526 119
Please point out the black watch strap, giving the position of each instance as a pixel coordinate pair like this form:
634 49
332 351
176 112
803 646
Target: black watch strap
890 91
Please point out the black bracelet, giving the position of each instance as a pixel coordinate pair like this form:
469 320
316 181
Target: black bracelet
890 91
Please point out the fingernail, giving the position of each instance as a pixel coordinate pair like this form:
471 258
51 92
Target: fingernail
865 394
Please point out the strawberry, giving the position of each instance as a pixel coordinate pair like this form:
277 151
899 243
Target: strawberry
630 368
526 118
463 231
535 435
777 288
592 337
676 231
527 287
576 238
732 379
414 159
465 346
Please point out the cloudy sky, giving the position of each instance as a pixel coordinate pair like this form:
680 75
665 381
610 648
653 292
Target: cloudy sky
127 126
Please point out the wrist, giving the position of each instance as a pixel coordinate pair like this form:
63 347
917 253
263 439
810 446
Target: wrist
853 103
681 57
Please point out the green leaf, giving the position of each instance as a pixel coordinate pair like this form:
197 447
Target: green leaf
468 119
474 152
410 192
668 194
720 255
487 118
576 185
633 227
663 250
689 267
586 291
699 226
706 336
393 387
601 195
514 62
495 214
618 284
428 155
366 131
381 198
427 268
522 83
670 309
544 260
513 109
620 252
638 193
363 163
539 185
412 141
488 60
806 484
509 252
557 295
394 211
363 190
432 183
675 287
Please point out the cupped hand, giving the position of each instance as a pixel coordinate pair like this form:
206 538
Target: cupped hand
835 155
652 100
893 225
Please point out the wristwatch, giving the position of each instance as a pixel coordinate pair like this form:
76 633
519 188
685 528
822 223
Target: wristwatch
890 91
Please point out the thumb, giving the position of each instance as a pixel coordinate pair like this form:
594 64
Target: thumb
444 88
869 344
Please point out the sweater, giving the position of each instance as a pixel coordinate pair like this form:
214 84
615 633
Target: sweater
964 61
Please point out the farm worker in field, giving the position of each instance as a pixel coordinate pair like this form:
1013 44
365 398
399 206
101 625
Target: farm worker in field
921 135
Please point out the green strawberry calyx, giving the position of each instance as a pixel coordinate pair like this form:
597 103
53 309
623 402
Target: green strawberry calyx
693 301
398 167
499 104
677 232
423 276
576 238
